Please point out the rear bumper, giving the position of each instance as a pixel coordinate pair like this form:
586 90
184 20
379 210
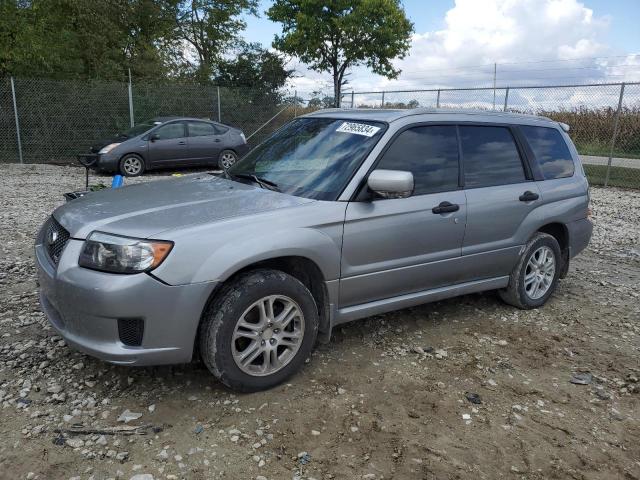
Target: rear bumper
84 306
579 235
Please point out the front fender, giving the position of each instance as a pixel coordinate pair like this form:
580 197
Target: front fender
214 252
302 242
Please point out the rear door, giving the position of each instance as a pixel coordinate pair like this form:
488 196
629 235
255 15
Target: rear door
397 246
500 193
205 142
171 145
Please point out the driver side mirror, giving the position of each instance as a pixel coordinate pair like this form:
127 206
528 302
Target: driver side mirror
154 136
391 183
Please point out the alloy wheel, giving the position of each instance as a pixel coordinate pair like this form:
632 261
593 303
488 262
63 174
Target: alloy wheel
132 166
227 160
539 273
268 335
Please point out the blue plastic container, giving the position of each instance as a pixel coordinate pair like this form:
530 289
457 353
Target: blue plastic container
117 181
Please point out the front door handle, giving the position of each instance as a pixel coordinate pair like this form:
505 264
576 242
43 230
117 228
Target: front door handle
182 143
445 207
529 196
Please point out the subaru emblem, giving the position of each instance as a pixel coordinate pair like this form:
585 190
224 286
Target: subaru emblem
52 237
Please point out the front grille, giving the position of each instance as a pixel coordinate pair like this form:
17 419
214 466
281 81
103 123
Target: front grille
55 239
130 331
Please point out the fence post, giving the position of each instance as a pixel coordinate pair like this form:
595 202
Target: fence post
506 99
15 114
130 101
382 99
219 116
438 99
352 95
295 103
616 124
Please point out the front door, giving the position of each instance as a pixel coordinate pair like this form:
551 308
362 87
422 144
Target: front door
397 246
168 145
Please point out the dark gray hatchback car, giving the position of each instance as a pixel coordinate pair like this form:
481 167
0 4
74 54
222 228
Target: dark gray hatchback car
169 142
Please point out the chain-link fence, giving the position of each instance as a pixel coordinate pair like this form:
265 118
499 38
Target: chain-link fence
57 119
604 118
50 121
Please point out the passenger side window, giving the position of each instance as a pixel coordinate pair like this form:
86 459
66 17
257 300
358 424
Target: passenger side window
490 157
220 130
169 131
201 129
551 151
430 153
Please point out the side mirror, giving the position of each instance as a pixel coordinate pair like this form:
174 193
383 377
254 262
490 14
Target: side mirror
391 183
154 136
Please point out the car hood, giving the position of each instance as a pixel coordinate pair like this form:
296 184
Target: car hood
144 210
100 144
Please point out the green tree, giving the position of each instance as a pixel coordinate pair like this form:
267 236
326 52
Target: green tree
337 35
210 27
86 38
254 67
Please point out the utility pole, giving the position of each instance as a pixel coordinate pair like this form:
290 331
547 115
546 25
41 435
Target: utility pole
495 69
131 120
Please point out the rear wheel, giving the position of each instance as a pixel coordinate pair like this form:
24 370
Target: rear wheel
131 165
535 277
259 330
227 159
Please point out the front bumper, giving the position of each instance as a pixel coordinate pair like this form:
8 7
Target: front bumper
84 306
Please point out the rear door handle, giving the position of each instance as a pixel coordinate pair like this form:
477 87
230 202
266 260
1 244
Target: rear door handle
445 207
529 196
217 140
182 143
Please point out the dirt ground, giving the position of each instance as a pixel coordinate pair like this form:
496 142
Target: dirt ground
386 399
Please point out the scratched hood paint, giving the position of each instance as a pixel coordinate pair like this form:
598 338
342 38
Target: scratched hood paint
144 210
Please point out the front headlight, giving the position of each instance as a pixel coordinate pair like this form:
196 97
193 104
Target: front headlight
112 253
108 148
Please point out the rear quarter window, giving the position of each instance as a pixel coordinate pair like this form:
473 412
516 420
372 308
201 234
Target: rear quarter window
551 151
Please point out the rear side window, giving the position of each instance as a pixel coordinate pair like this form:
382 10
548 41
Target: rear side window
169 131
490 157
551 151
430 153
201 129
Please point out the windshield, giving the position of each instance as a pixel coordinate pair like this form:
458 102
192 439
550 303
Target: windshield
310 157
139 129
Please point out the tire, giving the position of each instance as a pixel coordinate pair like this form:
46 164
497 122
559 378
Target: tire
232 327
523 293
226 159
128 164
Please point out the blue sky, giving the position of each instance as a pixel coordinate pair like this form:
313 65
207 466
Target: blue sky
456 43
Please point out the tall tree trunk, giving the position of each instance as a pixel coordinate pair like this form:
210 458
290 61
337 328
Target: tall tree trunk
337 85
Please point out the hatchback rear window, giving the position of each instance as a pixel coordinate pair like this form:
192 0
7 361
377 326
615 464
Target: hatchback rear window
551 151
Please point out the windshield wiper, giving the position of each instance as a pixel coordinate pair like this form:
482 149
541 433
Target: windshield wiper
263 182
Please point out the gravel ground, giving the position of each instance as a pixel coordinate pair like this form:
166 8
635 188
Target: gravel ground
390 397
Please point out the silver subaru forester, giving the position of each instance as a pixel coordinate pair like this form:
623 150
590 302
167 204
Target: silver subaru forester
339 215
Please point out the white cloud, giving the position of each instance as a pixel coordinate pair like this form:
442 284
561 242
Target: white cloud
517 35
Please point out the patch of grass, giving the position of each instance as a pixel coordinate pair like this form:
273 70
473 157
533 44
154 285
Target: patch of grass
619 176
600 150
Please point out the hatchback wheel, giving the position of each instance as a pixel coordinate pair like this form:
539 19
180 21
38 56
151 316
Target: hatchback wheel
259 330
535 277
226 159
131 165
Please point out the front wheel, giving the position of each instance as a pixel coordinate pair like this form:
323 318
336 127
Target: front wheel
259 330
227 159
535 277
131 165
